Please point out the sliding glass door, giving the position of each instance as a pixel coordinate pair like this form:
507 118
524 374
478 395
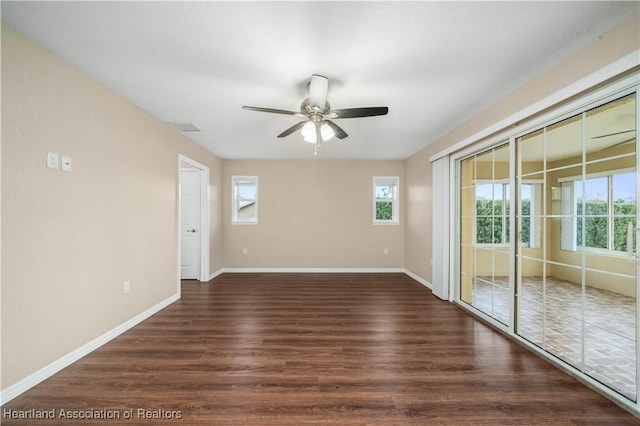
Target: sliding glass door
544 246
575 288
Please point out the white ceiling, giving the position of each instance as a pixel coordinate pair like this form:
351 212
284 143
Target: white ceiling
434 64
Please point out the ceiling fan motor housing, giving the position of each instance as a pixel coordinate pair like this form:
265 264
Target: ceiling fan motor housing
308 110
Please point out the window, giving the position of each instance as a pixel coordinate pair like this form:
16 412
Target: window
602 206
624 208
592 209
492 213
385 200
245 199
531 211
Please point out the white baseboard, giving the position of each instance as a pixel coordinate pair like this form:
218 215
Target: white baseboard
44 373
421 280
215 274
313 270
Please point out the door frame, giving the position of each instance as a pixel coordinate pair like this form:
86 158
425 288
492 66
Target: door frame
203 172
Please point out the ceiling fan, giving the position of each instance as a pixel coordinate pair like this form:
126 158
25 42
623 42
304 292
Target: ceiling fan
317 126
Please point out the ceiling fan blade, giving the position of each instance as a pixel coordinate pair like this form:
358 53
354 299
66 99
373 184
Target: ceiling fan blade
273 110
615 145
318 90
340 134
358 112
613 134
292 129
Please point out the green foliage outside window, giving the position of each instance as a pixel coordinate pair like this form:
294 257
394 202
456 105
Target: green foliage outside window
384 210
620 208
597 223
526 222
490 222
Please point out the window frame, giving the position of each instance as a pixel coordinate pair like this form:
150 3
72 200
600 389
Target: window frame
394 181
236 181
610 216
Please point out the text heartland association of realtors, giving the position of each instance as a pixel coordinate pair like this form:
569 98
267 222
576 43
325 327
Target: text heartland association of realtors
138 413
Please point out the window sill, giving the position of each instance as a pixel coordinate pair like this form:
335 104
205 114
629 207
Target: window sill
243 223
503 245
489 245
387 222
602 252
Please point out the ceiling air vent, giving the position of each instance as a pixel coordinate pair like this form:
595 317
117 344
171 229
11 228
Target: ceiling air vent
184 127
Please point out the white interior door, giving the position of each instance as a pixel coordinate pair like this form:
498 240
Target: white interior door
190 223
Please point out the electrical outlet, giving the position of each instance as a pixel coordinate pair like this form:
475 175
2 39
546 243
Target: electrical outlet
67 163
52 160
245 251
126 287
386 251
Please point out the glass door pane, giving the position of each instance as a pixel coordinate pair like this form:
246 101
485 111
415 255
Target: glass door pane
610 199
485 228
575 289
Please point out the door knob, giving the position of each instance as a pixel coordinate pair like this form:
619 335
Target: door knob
191 230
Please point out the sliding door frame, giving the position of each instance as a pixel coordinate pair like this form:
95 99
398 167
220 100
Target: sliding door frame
626 85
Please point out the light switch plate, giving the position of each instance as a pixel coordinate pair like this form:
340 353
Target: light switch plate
67 163
52 160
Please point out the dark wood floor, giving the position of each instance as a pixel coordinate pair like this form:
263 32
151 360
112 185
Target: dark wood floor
336 349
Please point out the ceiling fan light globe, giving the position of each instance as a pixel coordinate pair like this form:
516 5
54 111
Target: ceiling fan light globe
327 132
309 132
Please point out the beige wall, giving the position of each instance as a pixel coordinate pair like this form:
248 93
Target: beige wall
70 239
418 226
608 48
312 214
